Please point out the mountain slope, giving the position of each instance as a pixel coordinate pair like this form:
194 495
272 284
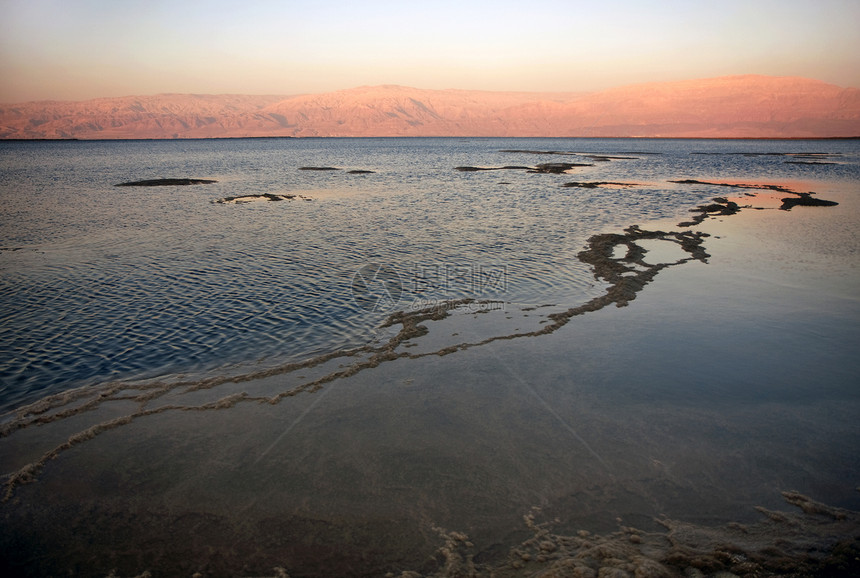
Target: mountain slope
737 106
159 116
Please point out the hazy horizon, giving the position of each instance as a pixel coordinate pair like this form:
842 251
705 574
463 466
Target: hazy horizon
51 50
346 89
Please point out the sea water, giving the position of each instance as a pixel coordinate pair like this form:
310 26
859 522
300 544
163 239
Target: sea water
232 379
102 282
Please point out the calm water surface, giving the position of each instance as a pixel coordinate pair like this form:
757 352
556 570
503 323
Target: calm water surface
721 385
100 282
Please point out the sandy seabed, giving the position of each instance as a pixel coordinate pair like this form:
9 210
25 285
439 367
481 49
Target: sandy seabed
696 419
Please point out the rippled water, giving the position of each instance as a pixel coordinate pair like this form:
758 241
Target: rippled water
99 282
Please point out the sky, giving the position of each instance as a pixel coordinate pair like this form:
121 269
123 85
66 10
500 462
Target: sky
81 49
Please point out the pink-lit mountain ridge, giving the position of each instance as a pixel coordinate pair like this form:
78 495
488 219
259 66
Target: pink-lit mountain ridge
727 107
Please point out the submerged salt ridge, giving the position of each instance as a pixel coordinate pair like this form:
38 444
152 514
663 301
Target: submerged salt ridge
103 283
626 274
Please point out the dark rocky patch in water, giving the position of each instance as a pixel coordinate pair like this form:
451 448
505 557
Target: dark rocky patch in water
551 168
805 200
802 199
629 274
819 540
324 169
262 197
596 184
777 188
476 169
605 158
166 182
720 207
557 168
529 152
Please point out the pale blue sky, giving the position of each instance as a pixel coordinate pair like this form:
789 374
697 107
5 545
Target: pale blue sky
77 49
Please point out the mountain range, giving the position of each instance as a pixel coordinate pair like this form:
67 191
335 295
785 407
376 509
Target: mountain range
749 106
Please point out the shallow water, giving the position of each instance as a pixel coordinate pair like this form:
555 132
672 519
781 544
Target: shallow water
102 282
718 386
